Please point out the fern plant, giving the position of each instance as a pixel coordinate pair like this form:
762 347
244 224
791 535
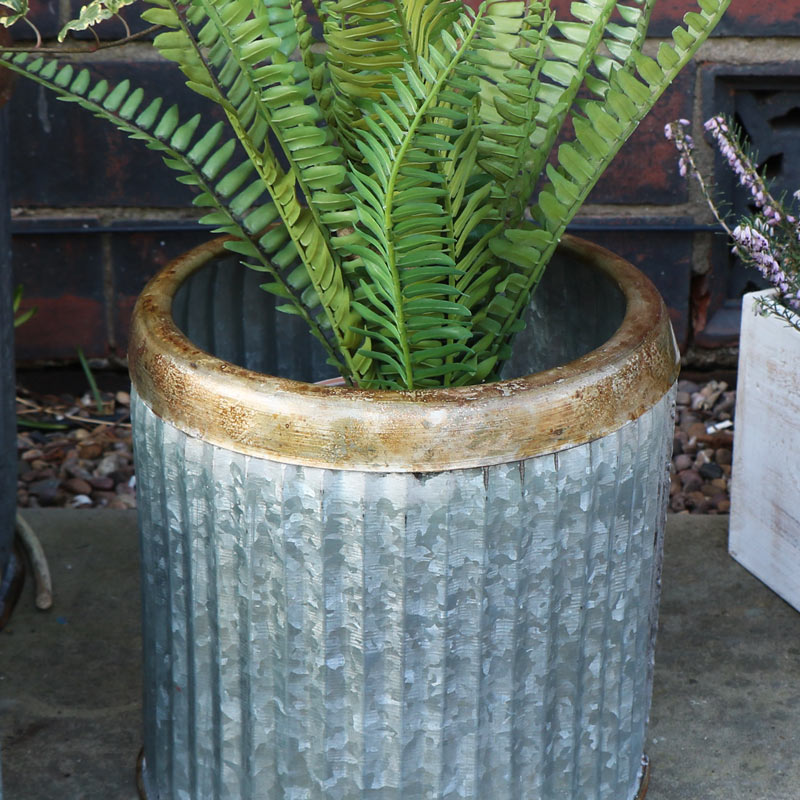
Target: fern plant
403 182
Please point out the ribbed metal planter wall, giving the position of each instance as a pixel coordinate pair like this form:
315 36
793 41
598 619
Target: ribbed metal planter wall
391 629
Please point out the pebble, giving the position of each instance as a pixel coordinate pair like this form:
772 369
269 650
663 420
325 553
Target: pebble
87 466
691 481
710 470
723 456
92 466
46 491
701 461
77 486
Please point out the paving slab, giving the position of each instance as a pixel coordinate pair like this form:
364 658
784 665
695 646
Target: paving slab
70 687
725 723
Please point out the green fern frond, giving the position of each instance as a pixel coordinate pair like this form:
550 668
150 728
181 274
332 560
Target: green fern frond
386 175
239 208
601 127
221 46
406 244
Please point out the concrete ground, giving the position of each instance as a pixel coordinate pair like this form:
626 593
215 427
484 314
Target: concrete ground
725 723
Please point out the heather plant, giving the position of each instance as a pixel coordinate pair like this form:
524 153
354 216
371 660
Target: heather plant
769 238
401 172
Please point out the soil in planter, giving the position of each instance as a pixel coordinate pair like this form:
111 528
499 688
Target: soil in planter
87 462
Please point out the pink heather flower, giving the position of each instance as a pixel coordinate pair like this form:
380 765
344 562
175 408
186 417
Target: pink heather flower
770 239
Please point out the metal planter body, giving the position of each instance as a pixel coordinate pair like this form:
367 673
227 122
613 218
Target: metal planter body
349 630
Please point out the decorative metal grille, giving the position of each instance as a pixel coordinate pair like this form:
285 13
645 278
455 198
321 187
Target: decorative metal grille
765 103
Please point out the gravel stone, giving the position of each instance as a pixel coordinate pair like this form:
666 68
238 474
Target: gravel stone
710 471
77 486
91 465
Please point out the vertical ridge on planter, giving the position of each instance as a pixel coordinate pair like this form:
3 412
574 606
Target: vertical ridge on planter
202 652
503 519
344 544
384 585
467 523
424 607
353 659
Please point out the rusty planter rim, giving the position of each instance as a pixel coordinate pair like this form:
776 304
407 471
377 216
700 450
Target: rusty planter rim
428 430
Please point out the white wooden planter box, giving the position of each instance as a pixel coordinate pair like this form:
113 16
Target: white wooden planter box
765 490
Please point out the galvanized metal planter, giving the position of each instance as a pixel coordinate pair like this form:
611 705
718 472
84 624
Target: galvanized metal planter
353 594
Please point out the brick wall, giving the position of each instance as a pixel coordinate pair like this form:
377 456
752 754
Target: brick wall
94 216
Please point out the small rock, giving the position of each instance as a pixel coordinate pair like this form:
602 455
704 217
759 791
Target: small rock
79 434
678 503
709 394
720 483
723 455
77 486
90 450
39 474
725 403
711 470
683 398
724 506
54 454
46 491
698 402
690 480
102 499
720 439
32 455
75 470
81 501
683 462
125 488
688 386
688 419
675 485
698 502
123 398
106 467
697 430
123 501
101 483
702 458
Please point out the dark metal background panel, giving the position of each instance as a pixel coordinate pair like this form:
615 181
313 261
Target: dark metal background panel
764 100
8 428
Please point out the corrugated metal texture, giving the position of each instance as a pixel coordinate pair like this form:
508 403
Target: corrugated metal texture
222 310
481 633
